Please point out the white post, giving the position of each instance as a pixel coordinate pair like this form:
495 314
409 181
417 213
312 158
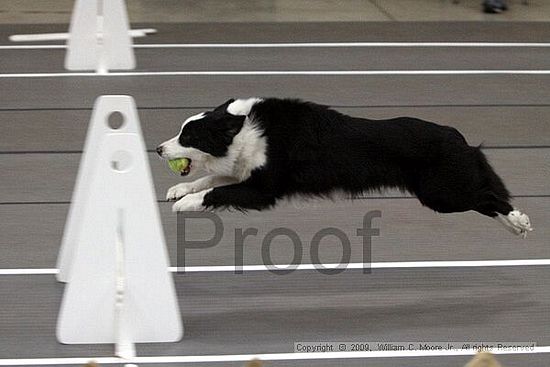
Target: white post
97 130
114 255
99 37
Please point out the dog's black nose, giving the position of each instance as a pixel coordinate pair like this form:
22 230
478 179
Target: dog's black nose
159 150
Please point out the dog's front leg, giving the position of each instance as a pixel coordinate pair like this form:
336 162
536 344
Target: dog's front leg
208 182
191 202
240 196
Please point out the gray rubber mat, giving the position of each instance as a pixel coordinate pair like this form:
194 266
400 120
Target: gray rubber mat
328 58
334 90
43 123
30 172
64 130
408 232
322 32
261 312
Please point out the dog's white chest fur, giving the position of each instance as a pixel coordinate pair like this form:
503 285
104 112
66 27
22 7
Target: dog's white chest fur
245 154
250 146
248 149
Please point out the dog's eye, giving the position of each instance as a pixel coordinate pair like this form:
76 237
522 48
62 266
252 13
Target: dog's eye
184 140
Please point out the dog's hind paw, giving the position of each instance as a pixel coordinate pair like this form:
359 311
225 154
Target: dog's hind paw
516 222
520 222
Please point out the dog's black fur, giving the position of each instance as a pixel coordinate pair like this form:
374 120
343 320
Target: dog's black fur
313 150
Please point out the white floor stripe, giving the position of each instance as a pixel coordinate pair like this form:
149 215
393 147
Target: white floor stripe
276 73
344 44
28 271
32 47
265 357
305 45
374 265
45 37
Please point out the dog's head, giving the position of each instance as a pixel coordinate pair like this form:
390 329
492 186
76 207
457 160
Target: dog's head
207 136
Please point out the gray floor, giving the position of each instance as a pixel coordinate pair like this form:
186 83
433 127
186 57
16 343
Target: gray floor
321 32
43 123
177 11
25 61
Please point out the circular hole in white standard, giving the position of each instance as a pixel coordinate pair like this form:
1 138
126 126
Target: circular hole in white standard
115 120
121 161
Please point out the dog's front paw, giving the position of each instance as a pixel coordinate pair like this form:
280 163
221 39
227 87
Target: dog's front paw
178 191
190 202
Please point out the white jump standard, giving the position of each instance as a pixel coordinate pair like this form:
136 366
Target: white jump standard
113 254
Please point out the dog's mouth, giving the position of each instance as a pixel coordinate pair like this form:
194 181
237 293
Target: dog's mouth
181 166
185 171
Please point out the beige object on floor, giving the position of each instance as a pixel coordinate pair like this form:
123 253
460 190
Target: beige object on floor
254 363
483 359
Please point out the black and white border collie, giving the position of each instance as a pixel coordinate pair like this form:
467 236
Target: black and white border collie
250 153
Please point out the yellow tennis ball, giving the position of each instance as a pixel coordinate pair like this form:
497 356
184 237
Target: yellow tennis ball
178 165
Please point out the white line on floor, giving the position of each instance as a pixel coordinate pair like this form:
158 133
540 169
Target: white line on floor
374 265
36 271
265 357
277 73
305 45
344 44
32 47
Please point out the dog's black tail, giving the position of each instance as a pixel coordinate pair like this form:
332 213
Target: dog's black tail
493 182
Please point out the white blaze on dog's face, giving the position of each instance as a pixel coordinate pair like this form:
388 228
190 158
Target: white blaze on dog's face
204 138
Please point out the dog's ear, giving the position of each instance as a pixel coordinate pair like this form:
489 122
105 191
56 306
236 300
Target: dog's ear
223 107
233 125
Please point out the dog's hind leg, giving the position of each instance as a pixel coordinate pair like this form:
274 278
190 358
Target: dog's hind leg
497 198
449 199
517 222
511 218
